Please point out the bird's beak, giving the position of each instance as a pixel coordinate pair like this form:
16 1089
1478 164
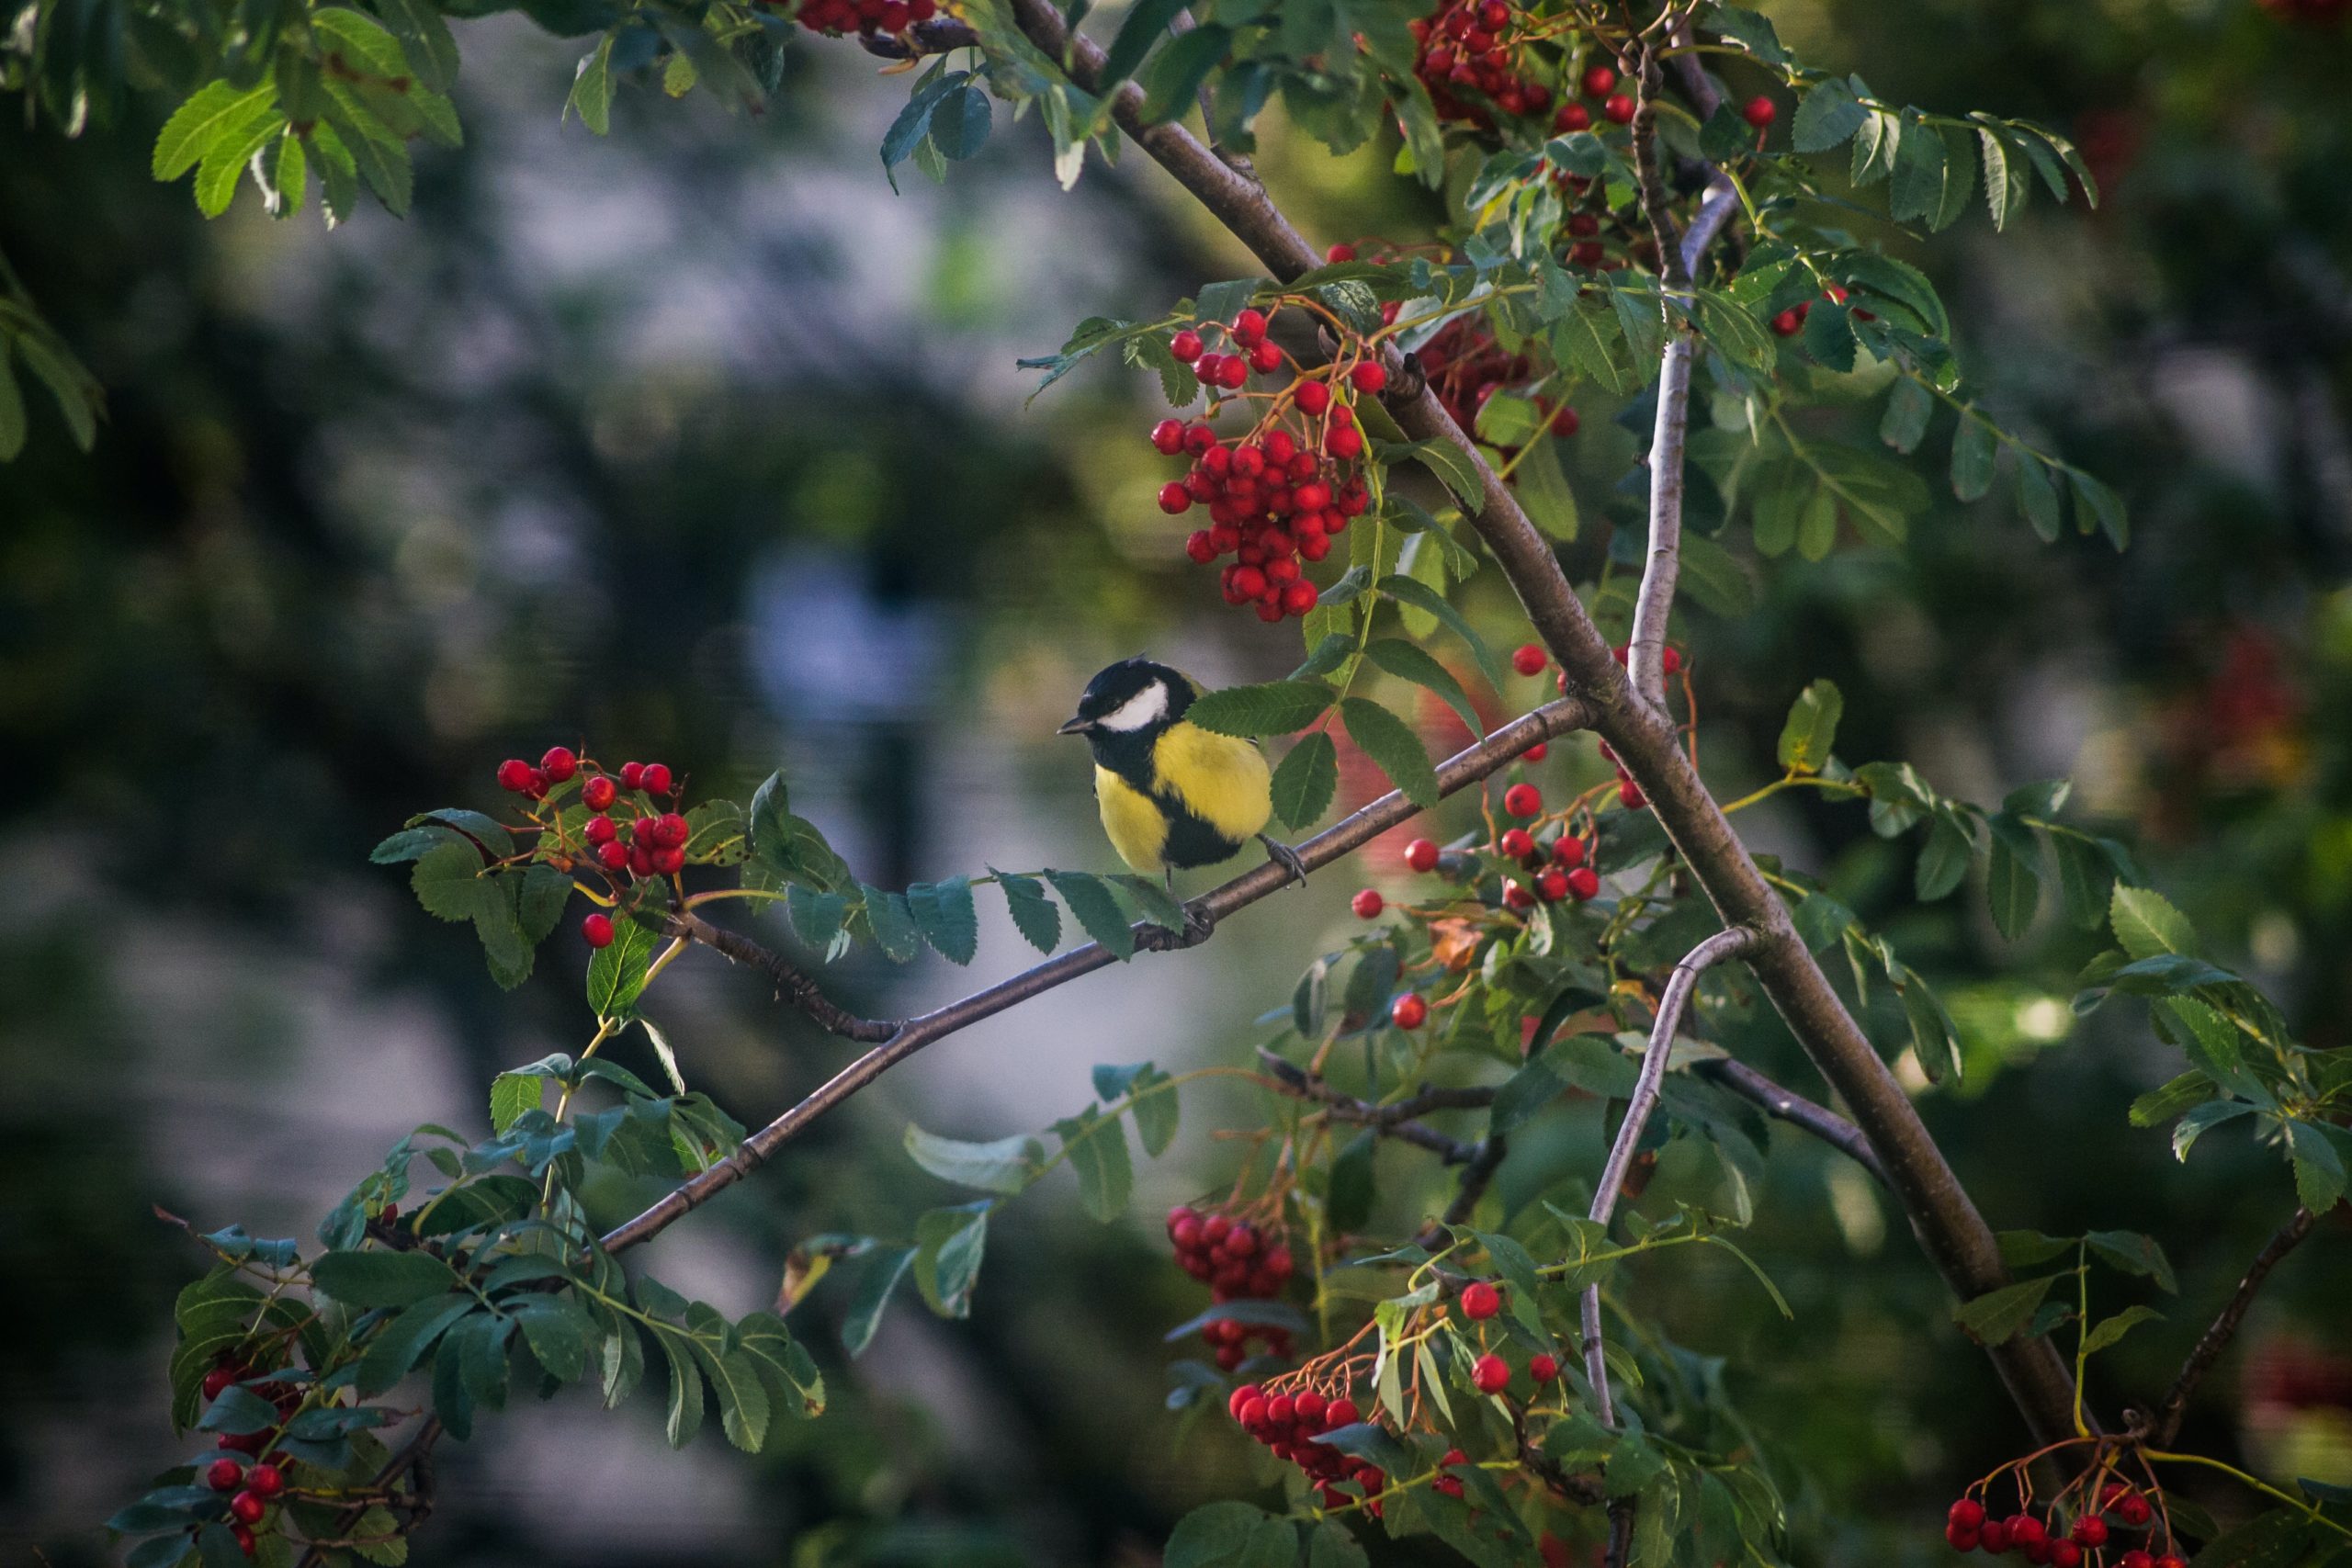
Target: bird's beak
1079 726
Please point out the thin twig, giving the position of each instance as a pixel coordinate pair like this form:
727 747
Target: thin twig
1729 942
1794 1108
415 1454
1398 1120
1477 1174
791 985
2223 1328
1459 772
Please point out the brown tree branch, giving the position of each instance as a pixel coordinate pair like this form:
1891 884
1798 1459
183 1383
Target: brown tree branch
2223 1328
416 1454
1954 1234
1458 771
1398 1120
1477 1174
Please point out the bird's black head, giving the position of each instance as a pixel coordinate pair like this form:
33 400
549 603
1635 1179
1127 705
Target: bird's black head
1129 705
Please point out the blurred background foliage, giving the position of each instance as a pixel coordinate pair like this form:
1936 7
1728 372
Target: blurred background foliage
699 442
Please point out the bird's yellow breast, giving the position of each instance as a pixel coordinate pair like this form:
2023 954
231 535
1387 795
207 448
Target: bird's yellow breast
1219 779
1137 828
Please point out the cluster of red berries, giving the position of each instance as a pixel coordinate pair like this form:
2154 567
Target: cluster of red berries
1791 322
876 19
1466 367
1970 1528
252 1488
1490 1373
1290 1424
1277 496
650 844
1236 1262
1476 47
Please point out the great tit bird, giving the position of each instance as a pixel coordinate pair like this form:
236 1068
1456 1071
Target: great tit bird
1173 794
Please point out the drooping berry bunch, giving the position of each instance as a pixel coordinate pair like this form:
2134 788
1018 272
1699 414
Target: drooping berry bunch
1791 322
252 1485
2064 1537
1280 493
1239 1261
1291 1422
875 18
649 842
1466 367
1475 60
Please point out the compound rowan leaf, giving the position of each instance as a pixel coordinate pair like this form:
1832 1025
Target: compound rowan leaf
1408 662
1096 1145
949 1246
944 913
1811 729
2146 924
1007 1166
1997 1316
1389 741
1277 707
1097 910
1305 779
361 1280
1034 914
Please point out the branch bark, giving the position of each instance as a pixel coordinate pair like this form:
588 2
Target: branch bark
1954 1233
1794 1108
791 985
1344 837
2223 1328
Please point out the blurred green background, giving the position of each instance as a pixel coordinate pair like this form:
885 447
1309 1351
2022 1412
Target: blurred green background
701 443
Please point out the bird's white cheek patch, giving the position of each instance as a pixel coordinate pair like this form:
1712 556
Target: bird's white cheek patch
1147 706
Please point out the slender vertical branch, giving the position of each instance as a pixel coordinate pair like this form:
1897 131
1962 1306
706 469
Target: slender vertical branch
1654 603
1727 943
2223 1328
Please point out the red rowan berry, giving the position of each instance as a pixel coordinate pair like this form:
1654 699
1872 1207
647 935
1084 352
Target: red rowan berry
1490 1374
1967 1513
1174 498
1409 1011
1309 1407
2132 1509
1551 885
657 778
1516 842
267 1480
1167 437
514 776
2090 1530
1995 1537
632 775
1523 800
1962 1538
612 855
559 764
1369 377
1542 1368
2065 1554
1629 795
599 793
224 1474
1368 904
1618 110
1529 658
1249 327
242 1537
2025 1530
1760 111
1299 597
1572 116
1583 882
247 1508
1569 851
1185 346
598 930
1232 372
1420 856
2136 1558
1313 397
1480 1301
667 861
1342 252
1597 81
2169 1561
1537 753
216 1381
1265 356
1340 1413
1345 442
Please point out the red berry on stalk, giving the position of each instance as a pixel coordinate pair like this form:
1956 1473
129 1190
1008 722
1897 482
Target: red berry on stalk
667 861
2090 1530
1369 377
243 1538
2169 1561
1409 1011
1342 252
1569 851
1420 856
1517 897
1516 842
514 776
1167 437
1299 597
1174 498
247 1508
1249 327
1490 1373
656 778
1671 660
1480 1301
1538 751
1551 885
224 1474
1967 1514
1266 357
2065 1554
216 1381
599 793
1583 882
2133 1510
632 775
1597 81
1340 1413
1368 904
2136 1558
1529 658
1760 111
1345 442
1240 1397
1962 1538
1618 110
1233 372
2025 1530
1523 800
1185 346
267 1480
1788 323
1572 116
559 764
1995 1537
1630 796
612 855
598 930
